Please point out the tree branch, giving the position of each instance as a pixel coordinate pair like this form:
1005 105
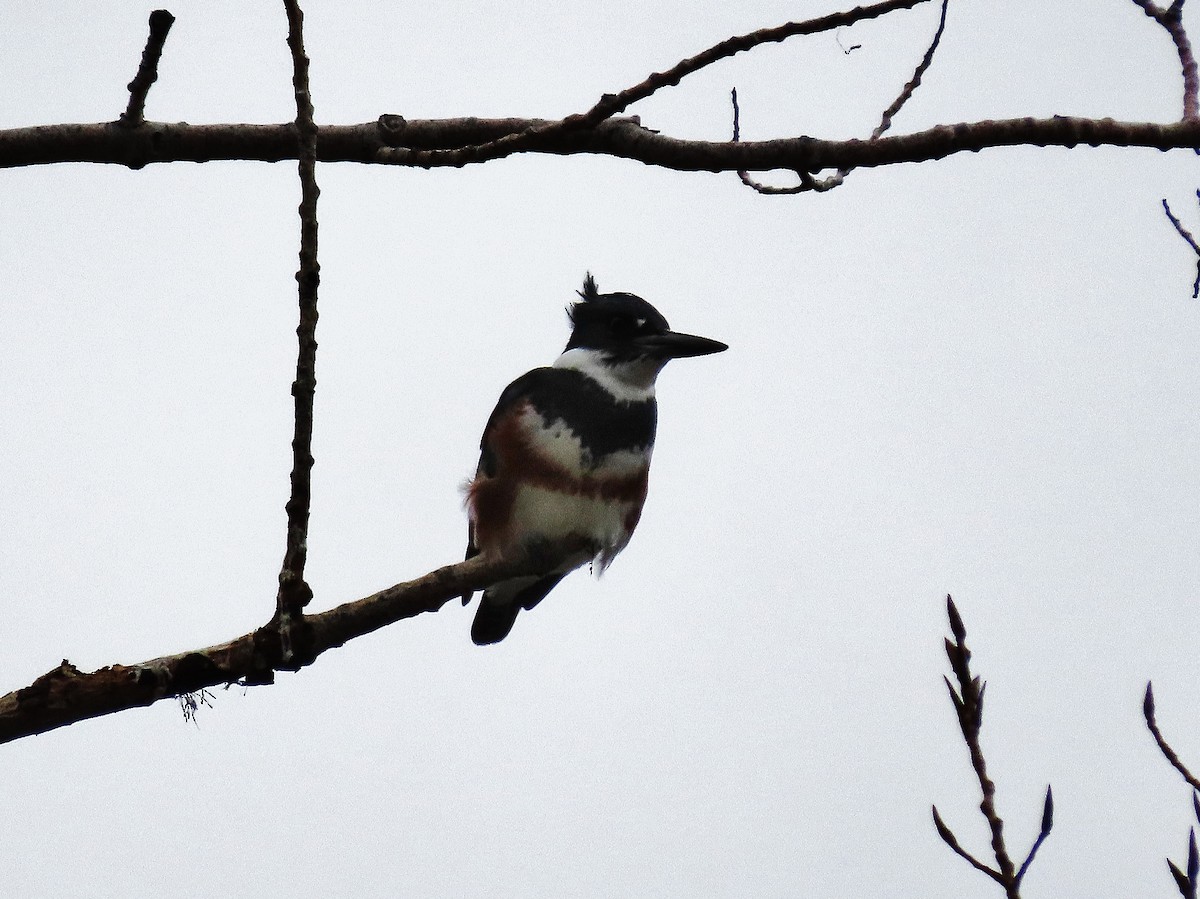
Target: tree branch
885 121
66 695
147 73
1187 236
1187 880
951 840
1164 747
367 143
610 105
613 104
294 592
807 182
1171 19
1043 832
968 705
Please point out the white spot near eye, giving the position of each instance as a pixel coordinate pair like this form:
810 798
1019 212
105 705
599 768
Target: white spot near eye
641 323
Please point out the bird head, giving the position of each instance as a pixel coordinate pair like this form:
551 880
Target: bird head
624 328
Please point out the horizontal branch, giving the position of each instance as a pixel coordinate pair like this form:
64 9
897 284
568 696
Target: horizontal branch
378 143
66 695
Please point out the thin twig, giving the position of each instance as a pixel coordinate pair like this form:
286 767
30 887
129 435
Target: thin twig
820 185
1163 745
950 840
294 592
885 121
970 722
1171 19
613 104
846 51
147 73
1043 832
1186 235
968 705
806 180
1187 881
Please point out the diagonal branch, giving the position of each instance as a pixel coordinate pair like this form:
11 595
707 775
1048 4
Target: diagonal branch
1163 746
66 695
1171 19
294 592
147 73
613 104
951 840
1043 832
885 121
1191 241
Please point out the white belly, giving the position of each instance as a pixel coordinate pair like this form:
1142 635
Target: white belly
540 514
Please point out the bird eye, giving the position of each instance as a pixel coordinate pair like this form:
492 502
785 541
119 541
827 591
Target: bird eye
621 325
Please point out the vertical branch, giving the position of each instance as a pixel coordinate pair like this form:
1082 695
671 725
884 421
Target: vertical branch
139 88
294 592
968 704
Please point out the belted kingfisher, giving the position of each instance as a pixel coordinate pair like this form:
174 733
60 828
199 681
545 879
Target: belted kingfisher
566 452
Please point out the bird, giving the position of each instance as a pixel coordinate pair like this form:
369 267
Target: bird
565 455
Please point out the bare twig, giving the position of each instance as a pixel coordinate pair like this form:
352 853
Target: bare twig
66 695
1187 881
885 121
807 181
970 719
950 840
1186 235
1163 746
1043 832
613 104
294 592
147 73
968 705
1171 19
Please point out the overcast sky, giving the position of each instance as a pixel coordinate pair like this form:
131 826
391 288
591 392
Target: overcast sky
976 377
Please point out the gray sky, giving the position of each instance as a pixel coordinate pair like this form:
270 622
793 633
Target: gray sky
975 377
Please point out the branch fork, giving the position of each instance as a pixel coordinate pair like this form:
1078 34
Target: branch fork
968 706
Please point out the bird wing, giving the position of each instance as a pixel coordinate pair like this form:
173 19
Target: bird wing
513 395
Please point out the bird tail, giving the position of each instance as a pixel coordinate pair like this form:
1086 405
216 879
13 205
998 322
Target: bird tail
501 602
493 621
